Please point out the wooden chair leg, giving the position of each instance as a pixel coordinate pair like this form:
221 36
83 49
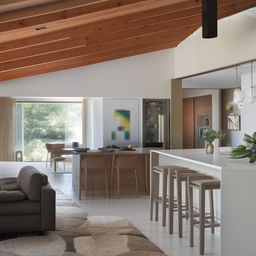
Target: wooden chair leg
164 194
118 182
106 182
179 202
47 159
171 203
55 165
191 214
86 180
136 182
212 210
202 218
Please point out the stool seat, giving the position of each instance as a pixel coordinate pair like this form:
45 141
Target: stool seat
160 167
207 184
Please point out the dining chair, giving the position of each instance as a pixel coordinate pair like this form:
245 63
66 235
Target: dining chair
56 155
49 153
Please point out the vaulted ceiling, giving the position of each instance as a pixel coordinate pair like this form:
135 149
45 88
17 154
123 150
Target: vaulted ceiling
40 36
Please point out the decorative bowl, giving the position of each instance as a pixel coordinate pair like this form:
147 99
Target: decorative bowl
80 150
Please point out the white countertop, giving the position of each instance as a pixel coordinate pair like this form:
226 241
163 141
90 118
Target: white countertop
218 160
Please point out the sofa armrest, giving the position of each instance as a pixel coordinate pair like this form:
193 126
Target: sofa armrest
48 208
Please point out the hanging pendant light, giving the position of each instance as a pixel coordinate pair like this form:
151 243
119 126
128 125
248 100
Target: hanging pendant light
239 95
252 97
209 18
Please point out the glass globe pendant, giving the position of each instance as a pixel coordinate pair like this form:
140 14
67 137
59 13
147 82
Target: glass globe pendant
239 95
252 97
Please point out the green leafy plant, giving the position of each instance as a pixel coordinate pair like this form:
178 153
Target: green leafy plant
246 150
210 135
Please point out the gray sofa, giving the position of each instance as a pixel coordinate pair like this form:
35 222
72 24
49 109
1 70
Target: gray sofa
27 203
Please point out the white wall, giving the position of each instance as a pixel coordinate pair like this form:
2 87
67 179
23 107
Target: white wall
146 75
235 44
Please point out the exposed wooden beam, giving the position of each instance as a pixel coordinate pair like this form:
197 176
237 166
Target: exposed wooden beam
61 65
86 32
12 5
40 18
148 39
91 18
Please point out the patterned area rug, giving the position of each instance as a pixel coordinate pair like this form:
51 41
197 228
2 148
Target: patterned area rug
79 235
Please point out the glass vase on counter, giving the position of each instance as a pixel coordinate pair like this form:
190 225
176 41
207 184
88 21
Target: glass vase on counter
209 148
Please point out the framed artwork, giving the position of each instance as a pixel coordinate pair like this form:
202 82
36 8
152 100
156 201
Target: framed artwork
234 123
121 122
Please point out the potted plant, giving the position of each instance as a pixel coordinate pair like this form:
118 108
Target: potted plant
209 135
246 150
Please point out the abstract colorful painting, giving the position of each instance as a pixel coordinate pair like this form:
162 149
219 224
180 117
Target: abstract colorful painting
121 121
124 124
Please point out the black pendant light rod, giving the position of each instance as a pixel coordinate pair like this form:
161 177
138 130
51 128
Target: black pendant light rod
209 18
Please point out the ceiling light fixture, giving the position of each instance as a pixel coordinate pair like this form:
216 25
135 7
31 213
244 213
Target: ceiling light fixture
239 95
252 97
209 18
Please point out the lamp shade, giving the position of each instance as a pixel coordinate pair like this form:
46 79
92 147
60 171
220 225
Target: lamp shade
251 99
239 96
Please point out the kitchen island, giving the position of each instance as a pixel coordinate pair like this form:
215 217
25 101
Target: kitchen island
95 181
236 206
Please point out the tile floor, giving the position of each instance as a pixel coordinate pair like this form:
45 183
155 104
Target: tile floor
134 209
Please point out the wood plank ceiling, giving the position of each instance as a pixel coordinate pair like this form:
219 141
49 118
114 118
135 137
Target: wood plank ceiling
40 36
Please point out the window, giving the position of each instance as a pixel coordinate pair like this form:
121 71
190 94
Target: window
39 123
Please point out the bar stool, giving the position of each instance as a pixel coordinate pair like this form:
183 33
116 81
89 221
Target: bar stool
126 163
202 186
95 163
181 177
166 171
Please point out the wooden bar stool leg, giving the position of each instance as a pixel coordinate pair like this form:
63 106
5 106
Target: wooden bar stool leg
146 172
212 210
118 182
156 211
164 194
154 187
106 182
136 182
179 202
191 214
187 204
171 203
151 208
202 218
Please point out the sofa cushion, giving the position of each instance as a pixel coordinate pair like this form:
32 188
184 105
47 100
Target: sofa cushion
11 196
30 181
24 207
8 180
10 187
